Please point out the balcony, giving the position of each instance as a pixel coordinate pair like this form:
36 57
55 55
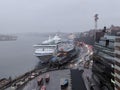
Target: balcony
110 47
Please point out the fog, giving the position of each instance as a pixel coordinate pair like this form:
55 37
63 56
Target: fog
18 16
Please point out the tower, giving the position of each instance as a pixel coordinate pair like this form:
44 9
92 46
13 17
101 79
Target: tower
96 22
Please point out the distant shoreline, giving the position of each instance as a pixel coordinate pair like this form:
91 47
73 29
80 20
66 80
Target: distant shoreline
8 38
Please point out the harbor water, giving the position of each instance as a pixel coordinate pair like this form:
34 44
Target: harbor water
16 57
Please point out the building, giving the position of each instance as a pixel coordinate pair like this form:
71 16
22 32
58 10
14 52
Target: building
106 60
117 63
103 61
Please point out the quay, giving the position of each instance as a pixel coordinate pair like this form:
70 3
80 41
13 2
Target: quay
23 78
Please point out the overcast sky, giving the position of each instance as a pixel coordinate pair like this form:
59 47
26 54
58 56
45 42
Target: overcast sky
56 15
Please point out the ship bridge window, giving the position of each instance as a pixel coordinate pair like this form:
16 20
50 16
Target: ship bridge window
107 43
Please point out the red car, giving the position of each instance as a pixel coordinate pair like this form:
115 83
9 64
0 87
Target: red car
40 81
43 88
47 77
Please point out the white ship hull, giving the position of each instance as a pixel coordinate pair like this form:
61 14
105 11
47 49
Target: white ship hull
45 52
45 58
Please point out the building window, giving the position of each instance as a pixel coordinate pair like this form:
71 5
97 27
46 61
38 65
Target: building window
117 39
117 48
117 55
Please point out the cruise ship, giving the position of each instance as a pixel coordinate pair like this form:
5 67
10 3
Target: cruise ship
47 48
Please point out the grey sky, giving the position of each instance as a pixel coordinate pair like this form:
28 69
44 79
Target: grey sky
56 15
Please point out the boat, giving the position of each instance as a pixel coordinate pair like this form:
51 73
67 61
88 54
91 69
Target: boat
66 52
47 48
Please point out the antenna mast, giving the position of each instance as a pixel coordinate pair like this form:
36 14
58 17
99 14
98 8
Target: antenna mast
96 25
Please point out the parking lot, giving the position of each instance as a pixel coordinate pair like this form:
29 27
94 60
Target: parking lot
54 83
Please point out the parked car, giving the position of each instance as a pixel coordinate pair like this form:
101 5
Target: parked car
47 78
64 83
43 88
40 81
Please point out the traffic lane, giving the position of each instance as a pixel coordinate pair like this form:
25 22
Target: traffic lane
54 83
84 53
84 50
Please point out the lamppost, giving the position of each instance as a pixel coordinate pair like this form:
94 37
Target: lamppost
96 25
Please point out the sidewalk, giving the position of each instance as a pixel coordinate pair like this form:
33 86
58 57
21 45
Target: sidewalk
89 81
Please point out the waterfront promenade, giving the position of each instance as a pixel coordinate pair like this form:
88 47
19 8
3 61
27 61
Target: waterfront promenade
75 72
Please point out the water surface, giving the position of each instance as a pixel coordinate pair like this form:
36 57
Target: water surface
16 57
